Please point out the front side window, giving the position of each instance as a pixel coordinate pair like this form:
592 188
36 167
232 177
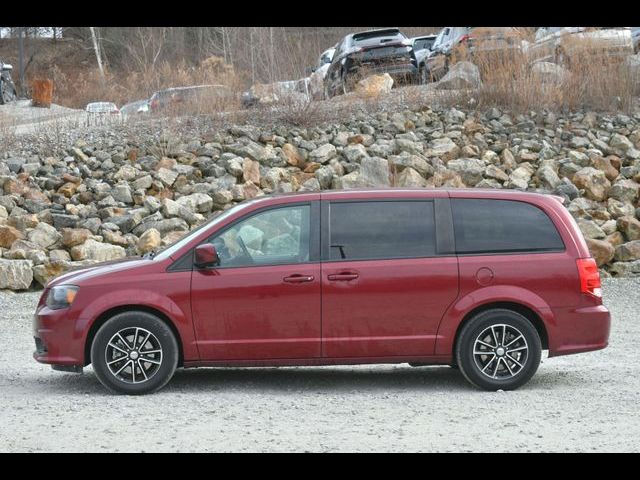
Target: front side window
502 226
273 237
381 230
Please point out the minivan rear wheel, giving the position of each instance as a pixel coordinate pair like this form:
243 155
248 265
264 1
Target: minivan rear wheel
498 349
134 353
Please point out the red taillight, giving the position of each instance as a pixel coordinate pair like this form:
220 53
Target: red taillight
589 277
464 38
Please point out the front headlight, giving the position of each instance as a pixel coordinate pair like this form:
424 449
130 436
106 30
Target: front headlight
61 296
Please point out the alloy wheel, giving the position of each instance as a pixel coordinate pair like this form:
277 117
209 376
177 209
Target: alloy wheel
133 355
500 351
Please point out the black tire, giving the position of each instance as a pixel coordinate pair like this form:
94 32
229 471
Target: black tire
344 87
527 350
159 373
7 93
423 75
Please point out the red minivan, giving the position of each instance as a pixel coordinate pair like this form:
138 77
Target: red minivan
482 280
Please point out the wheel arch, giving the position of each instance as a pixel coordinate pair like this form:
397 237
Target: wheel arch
110 313
523 310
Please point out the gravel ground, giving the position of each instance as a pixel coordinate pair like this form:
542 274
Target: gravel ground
27 118
586 402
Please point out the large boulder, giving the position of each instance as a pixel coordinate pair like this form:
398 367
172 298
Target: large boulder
594 182
15 274
444 148
469 169
628 251
630 226
44 235
601 250
625 191
461 75
197 202
410 178
150 240
625 269
8 235
374 172
100 252
374 85
323 153
75 236
46 272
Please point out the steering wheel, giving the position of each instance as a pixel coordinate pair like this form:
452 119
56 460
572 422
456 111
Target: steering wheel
244 248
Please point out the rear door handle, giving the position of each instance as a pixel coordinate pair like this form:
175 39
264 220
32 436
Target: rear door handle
342 277
298 278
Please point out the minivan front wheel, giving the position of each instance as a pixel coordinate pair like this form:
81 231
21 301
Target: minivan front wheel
498 349
134 353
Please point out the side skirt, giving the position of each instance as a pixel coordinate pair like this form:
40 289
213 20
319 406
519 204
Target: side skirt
287 362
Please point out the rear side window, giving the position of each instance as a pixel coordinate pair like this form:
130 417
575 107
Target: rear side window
379 230
502 226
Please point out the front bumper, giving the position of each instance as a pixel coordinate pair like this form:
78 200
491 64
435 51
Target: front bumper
57 340
579 330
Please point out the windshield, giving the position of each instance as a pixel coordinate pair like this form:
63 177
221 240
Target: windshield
422 43
170 250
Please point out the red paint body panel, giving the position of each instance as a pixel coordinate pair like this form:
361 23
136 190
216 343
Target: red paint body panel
393 308
252 313
394 311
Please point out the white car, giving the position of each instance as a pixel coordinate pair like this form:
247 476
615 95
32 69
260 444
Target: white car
635 37
316 80
139 106
102 108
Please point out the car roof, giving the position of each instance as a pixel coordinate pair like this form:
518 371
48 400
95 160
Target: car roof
392 192
376 31
190 87
423 37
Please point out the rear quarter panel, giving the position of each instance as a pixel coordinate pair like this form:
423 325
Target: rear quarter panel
546 283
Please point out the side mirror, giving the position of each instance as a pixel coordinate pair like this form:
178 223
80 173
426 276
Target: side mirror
206 256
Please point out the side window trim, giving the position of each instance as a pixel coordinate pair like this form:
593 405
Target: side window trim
314 237
442 215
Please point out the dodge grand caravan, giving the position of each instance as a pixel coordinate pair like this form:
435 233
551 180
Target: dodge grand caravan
479 280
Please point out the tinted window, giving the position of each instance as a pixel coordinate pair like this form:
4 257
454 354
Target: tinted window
375 38
370 230
491 226
423 43
276 236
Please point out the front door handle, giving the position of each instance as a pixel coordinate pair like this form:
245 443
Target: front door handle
298 278
343 277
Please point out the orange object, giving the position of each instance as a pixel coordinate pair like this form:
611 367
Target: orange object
42 93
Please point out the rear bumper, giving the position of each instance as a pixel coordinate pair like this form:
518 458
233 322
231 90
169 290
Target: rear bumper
579 330
395 70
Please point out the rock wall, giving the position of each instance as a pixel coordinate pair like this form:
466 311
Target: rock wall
126 193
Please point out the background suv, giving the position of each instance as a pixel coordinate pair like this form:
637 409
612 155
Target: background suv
372 52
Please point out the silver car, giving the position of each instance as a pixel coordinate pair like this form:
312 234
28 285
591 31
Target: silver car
561 44
422 49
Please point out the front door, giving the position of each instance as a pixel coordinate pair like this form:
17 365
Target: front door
385 286
263 300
